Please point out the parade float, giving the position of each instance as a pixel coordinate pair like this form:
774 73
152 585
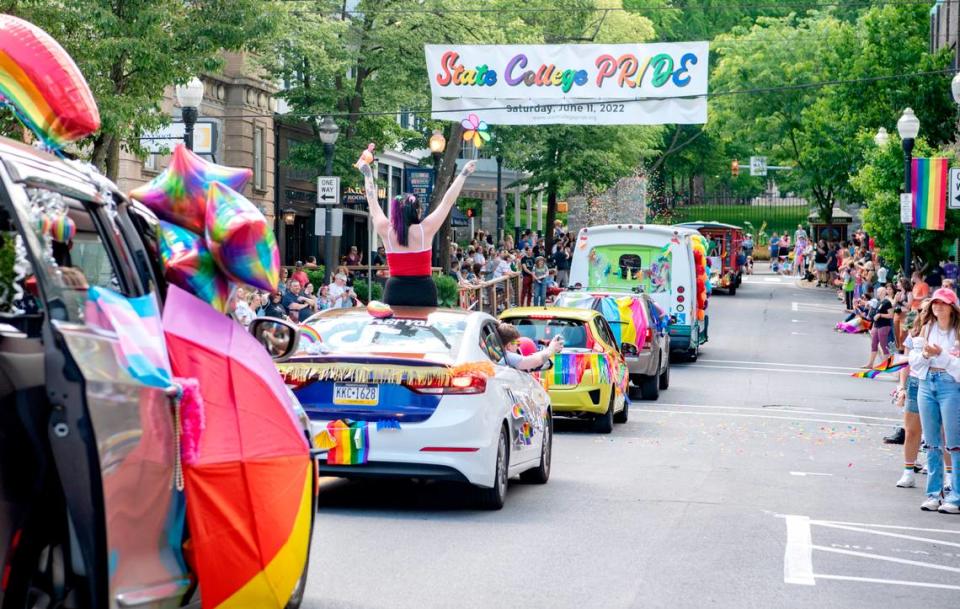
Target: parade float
216 441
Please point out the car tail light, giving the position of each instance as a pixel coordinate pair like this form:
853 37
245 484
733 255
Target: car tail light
680 289
648 339
680 298
461 384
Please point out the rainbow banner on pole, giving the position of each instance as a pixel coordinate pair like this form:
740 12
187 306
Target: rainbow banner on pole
929 187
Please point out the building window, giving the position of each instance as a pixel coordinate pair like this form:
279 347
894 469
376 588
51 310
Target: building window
258 158
150 163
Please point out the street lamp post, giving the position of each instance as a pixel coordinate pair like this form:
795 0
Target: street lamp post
189 97
499 198
908 127
438 144
329 132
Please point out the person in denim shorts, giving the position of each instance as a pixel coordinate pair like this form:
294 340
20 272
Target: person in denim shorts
906 398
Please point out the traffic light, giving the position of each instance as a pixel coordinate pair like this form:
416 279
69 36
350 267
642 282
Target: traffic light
735 168
469 213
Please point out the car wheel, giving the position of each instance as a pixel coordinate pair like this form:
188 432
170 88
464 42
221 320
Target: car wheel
650 387
492 498
623 415
604 422
541 474
665 376
733 289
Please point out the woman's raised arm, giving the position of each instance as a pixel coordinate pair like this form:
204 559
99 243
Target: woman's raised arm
431 224
380 221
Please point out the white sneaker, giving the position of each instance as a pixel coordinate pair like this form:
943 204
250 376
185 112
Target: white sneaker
908 479
931 504
949 508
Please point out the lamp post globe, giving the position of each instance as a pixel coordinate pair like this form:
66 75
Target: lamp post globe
882 138
908 127
329 132
189 96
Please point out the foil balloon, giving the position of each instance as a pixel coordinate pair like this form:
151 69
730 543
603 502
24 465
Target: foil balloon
241 240
179 194
43 84
63 228
187 264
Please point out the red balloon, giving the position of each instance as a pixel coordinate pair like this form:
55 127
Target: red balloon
43 84
527 346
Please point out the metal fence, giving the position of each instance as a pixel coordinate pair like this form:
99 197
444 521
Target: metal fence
779 213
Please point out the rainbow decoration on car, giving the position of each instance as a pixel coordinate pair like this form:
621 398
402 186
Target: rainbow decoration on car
929 187
43 85
570 368
179 193
63 228
351 442
240 239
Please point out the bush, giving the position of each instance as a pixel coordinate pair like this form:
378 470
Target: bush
316 277
362 288
448 291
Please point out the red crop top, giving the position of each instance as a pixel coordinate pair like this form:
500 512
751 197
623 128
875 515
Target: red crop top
409 264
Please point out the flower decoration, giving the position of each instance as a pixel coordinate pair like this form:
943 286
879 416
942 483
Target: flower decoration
475 130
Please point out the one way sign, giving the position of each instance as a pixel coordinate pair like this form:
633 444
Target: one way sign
328 190
954 201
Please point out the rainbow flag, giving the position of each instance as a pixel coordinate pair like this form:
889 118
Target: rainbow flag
929 187
352 440
887 365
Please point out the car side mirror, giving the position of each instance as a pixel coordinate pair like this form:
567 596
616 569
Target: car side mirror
278 336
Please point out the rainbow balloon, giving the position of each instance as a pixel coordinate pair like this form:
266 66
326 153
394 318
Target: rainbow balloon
187 263
63 229
241 240
179 194
43 84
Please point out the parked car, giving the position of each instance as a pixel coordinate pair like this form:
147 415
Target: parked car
644 342
86 452
587 394
415 387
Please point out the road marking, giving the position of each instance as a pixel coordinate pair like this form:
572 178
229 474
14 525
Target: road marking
886 526
784 409
742 361
902 561
776 370
874 580
886 534
798 555
772 280
809 474
760 416
800 334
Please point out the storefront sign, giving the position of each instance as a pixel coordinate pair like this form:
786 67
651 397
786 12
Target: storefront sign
419 182
589 84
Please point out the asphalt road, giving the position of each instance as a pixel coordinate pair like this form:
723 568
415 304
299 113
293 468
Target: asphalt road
759 479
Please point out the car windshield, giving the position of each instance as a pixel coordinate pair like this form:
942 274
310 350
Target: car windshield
440 333
542 331
624 267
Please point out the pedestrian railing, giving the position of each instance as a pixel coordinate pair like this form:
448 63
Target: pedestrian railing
491 296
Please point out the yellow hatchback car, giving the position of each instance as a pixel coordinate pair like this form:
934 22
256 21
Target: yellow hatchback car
589 377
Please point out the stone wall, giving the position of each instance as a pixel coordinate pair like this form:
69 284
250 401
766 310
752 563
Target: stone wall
625 203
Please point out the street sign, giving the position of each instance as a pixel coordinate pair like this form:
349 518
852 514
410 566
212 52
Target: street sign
954 201
320 224
906 208
758 165
328 190
165 139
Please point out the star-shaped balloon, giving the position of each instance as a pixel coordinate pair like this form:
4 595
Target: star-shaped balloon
241 240
475 130
187 264
179 194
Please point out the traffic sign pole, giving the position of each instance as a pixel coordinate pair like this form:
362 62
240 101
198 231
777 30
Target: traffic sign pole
328 195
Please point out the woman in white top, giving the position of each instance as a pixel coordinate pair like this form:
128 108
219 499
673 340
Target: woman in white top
935 358
906 398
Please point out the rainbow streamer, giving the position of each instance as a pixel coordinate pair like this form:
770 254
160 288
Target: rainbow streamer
352 442
43 85
929 188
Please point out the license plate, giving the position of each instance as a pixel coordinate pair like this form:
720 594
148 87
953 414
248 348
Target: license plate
356 394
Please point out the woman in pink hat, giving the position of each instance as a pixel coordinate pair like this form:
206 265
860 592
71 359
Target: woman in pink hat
935 358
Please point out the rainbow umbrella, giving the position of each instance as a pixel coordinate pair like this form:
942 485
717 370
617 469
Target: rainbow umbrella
249 489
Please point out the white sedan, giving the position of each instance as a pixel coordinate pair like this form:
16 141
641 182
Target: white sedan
421 394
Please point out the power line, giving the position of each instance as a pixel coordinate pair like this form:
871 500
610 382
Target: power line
751 91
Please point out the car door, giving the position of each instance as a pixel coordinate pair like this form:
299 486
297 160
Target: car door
515 394
112 438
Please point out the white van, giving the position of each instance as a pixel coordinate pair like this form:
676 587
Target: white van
652 258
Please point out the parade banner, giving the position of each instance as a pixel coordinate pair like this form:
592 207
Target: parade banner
573 84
